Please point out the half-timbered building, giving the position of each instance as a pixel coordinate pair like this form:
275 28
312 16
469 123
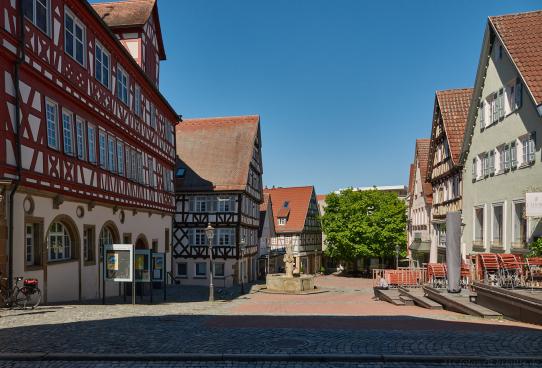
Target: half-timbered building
419 205
86 140
218 181
444 170
297 225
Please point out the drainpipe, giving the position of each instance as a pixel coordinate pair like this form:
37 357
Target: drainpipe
18 62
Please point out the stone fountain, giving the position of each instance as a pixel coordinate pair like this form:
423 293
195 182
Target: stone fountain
287 283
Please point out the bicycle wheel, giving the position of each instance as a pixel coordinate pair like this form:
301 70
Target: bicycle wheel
28 297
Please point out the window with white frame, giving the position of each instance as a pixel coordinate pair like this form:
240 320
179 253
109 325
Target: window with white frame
182 269
519 223
51 112
80 138
479 225
59 242
74 37
201 269
282 220
102 141
226 237
197 237
39 13
201 204
491 155
225 204
527 146
219 269
500 159
153 116
91 136
103 65
137 100
67 131
111 163
497 231
120 157
122 85
485 164
150 166
513 154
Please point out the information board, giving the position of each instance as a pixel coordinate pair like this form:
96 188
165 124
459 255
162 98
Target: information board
158 267
118 262
142 265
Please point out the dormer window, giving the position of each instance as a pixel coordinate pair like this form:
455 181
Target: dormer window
282 220
286 203
180 172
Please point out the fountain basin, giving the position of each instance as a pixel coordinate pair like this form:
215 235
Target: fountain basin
289 284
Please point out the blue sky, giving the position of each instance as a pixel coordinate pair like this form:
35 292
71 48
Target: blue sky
343 88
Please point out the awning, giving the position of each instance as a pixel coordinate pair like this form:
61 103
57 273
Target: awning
420 246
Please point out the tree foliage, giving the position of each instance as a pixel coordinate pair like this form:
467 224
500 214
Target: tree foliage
364 224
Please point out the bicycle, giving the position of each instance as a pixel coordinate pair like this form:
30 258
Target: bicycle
29 295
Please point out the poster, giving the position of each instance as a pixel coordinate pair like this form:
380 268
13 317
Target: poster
158 270
118 262
143 265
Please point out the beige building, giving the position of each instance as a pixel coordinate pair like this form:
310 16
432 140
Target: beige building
501 153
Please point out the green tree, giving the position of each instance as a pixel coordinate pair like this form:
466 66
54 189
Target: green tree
364 224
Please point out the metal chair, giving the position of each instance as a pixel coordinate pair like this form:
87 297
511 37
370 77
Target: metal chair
436 272
510 270
489 263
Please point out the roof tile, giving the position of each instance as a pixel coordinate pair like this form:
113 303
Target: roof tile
298 199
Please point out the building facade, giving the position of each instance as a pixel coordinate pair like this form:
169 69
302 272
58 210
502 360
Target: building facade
218 181
444 171
419 205
297 225
265 234
86 142
501 154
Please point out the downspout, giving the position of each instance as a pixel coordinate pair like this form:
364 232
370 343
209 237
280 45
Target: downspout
171 243
18 62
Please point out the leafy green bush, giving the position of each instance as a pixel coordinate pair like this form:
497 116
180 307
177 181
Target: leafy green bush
536 248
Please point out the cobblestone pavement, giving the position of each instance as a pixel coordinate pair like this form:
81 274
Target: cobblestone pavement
277 364
342 320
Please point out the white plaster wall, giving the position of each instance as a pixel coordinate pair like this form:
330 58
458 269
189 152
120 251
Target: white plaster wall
63 278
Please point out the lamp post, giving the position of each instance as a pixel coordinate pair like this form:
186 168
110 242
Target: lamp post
210 234
242 247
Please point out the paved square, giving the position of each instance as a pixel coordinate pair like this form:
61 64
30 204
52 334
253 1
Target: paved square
343 320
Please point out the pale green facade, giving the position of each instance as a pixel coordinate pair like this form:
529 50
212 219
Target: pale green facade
493 215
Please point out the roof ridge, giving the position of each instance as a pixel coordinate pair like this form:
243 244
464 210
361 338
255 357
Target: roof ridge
294 187
515 14
121 1
222 117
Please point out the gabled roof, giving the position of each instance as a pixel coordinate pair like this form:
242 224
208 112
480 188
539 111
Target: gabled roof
130 13
454 106
298 199
216 152
423 147
521 35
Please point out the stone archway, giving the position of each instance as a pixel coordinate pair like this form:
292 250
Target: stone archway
141 242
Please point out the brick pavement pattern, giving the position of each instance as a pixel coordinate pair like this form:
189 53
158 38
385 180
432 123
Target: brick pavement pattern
342 320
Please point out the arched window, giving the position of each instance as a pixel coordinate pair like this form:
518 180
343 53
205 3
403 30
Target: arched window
60 242
106 238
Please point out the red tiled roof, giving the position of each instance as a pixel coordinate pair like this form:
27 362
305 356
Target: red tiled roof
125 13
130 13
521 35
283 212
216 152
321 197
266 198
422 153
298 199
454 108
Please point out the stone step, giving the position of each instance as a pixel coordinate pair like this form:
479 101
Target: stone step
390 295
406 299
419 298
460 303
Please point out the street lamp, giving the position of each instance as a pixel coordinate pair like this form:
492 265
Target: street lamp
210 234
242 247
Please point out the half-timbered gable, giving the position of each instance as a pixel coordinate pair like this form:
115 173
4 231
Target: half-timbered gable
218 181
85 134
137 26
444 169
297 224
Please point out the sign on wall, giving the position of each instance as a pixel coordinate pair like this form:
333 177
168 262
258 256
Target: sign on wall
118 262
533 204
143 265
158 267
